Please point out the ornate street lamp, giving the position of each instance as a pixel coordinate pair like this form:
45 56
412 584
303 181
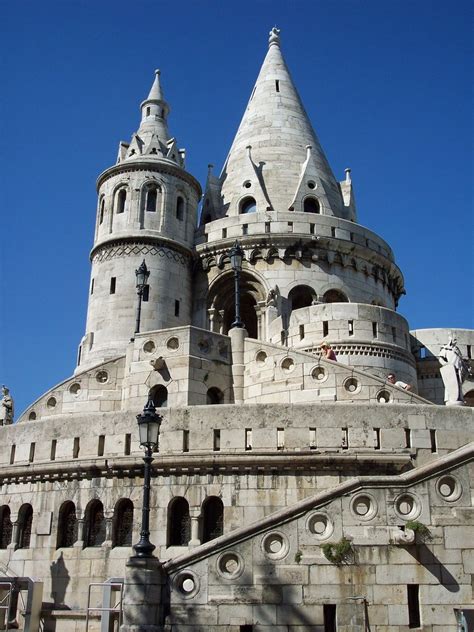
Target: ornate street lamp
149 430
236 255
142 275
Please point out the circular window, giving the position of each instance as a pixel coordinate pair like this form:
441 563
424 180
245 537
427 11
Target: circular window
172 344
449 488
311 184
407 507
204 345
383 397
102 377
364 507
187 584
320 526
51 403
75 389
261 357
319 374
230 565
247 184
32 416
275 546
351 385
288 365
149 346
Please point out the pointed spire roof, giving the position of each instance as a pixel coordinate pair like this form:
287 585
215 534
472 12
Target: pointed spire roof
276 127
156 93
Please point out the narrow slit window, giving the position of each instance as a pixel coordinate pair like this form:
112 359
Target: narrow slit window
325 328
329 616
280 438
180 209
333 231
246 628
217 441
176 308
301 332
350 326
101 445
311 229
121 199
146 294
148 111
407 438
422 353
127 448
394 334
151 198
31 457
312 439
413 593
469 352
54 444
185 440
433 441
102 212
12 454
267 227
92 286
376 438
277 85
352 236
375 332
345 439
224 233
248 438
76 448
290 227
245 229
113 285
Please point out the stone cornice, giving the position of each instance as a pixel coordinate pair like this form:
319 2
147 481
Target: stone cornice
161 166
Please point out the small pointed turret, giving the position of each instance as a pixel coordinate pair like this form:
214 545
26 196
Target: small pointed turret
277 127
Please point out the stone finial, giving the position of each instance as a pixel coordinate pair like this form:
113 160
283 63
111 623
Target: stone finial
274 37
210 167
348 175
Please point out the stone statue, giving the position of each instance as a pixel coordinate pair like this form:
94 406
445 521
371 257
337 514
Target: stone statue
272 297
454 370
6 408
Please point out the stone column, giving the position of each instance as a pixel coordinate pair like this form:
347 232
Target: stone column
15 533
195 541
237 337
145 580
108 531
81 524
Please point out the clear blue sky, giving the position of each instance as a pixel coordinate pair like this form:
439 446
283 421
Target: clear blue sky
387 86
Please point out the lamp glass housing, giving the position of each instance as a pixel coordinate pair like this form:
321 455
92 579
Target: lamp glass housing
148 430
142 275
236 256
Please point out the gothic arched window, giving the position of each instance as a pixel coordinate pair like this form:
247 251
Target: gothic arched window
212 518
311 205
334 296
180 208
159 394
179 523
25 521
6 527
123 523
248 205
121 199
95 524
151 198
67 525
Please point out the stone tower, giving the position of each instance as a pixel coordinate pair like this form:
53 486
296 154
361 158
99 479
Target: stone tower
146 211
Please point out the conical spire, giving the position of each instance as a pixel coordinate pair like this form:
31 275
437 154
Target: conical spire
156 93
276 128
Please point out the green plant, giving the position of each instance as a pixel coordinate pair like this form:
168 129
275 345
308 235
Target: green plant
338 553
422 533
298 556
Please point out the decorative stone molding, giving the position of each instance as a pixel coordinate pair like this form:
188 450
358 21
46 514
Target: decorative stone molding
109 251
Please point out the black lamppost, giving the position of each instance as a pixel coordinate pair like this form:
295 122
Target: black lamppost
236 256
149 429
142 275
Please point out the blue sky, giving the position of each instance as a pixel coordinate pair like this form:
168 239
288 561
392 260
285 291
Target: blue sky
387 86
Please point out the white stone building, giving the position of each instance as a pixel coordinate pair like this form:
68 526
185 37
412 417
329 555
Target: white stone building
291 492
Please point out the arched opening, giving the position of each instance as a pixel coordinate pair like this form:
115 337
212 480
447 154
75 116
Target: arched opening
121 199
212 518
122 525
25 521
151 198
311 205
301 296
95 524
159 395
102 211
214 396
248 205
6 527
179 522
180 208
335 296
469 398
67 525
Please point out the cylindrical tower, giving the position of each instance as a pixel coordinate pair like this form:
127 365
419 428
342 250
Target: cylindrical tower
146 211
